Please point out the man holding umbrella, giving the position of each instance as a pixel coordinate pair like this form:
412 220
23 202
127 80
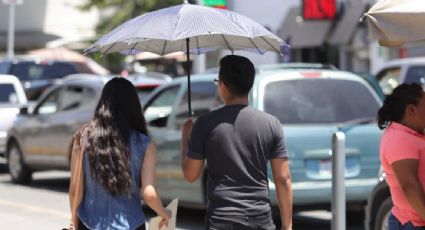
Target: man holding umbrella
237 141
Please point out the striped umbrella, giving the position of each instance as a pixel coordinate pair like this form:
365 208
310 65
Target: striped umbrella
190 28
396 22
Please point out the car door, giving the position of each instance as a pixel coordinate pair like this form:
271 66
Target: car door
54 121
38 144
204 98
157 113
77 107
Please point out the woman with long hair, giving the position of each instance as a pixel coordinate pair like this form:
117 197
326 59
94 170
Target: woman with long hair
402 153
118 164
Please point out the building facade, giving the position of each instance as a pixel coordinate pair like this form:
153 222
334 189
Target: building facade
48 23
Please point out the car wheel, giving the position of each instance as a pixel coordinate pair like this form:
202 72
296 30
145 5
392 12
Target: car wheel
19 172
381 221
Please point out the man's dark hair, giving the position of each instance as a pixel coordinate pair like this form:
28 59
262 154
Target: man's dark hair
237 73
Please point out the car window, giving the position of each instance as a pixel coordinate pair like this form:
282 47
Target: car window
8 94
73 97
159 109
416 74
4 67
143 93
204 98
50 104
30 71
319 101
388 79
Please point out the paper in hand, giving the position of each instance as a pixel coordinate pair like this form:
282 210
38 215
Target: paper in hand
154 222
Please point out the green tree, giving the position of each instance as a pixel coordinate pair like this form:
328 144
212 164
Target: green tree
122 10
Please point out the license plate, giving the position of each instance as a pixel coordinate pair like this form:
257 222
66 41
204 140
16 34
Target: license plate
325 167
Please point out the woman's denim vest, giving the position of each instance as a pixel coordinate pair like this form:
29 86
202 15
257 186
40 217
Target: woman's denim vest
102 210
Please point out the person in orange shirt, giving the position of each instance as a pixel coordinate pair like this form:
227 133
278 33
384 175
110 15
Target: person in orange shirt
402 154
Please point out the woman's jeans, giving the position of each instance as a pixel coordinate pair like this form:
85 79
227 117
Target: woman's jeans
81 226
394 224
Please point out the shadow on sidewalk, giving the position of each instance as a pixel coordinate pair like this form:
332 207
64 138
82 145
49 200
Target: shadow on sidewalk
50 180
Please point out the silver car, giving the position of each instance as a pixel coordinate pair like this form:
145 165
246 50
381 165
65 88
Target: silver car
41 139
12 97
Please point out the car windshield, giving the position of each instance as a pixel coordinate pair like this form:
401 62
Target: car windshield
319 101
8 94
30 71
415 74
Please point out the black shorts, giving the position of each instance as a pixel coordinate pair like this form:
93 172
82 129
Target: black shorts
237 222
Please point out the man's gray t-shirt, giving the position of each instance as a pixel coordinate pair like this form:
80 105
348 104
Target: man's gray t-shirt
237 141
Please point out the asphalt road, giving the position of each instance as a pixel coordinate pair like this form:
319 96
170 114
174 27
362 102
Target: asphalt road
43 204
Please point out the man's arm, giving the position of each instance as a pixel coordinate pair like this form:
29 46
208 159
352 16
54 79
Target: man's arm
191 168
283 183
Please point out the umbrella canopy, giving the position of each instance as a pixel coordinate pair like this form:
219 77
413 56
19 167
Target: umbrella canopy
395 22
189 28
165 31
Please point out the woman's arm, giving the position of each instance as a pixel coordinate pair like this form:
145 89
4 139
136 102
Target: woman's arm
406 172
76 185
150 194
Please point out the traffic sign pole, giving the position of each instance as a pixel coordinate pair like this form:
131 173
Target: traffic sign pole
11 29
11 32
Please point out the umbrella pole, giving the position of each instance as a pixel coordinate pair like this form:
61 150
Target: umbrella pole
189 104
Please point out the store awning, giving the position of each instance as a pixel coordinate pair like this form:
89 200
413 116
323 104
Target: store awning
27 40
301 33
348 23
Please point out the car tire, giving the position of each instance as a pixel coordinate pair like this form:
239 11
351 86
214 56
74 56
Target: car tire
381 221
18 170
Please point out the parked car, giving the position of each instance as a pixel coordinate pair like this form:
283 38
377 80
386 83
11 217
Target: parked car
37 75
279 66
395 72
12 97
41 139
146 82
379 206
310 103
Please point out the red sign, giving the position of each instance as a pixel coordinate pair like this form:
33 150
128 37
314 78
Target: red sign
319 9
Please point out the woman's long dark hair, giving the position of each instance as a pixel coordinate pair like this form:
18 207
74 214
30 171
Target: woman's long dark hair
395 104
117 113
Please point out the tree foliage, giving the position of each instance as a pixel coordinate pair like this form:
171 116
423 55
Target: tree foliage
116 12
124 10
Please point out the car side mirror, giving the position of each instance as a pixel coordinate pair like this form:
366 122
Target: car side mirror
23 110
159 122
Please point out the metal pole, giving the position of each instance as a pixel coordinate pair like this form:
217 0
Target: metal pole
189 103
338 181
11 32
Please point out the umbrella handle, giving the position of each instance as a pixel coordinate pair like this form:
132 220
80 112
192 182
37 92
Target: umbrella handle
189 102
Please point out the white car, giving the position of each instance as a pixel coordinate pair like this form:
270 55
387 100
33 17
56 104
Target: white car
398 71
12 97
